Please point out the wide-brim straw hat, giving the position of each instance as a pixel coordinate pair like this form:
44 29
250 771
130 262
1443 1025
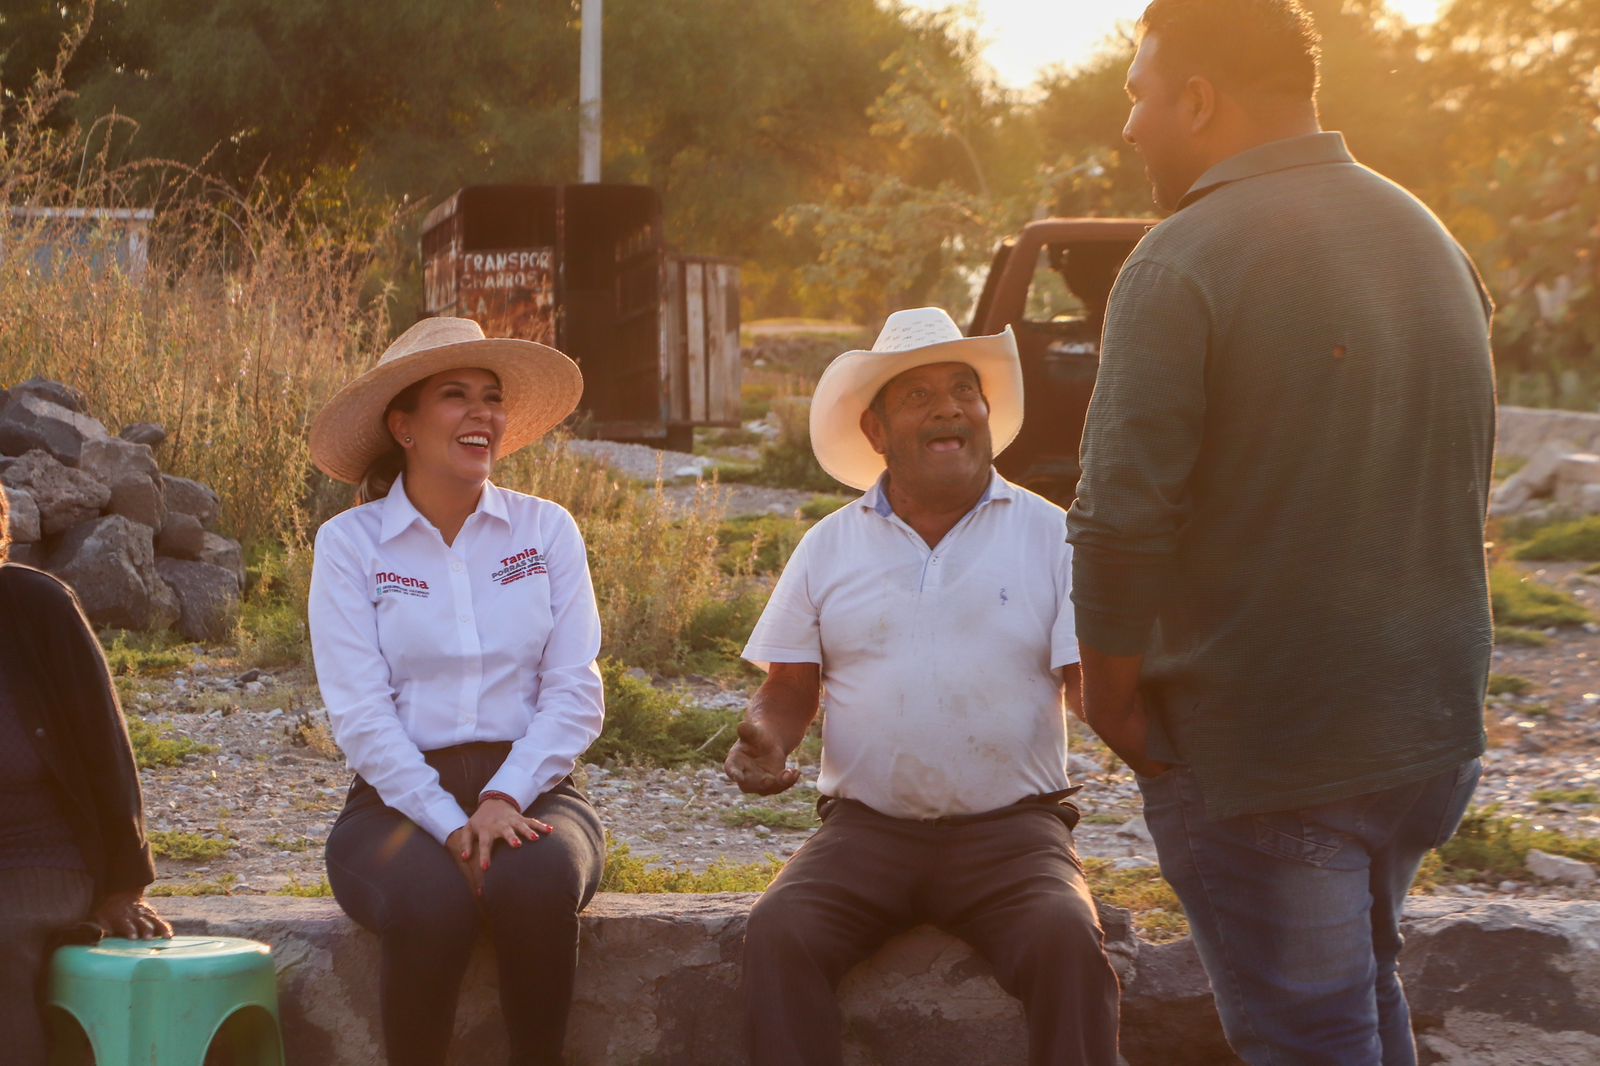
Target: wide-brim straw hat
541 388
917 337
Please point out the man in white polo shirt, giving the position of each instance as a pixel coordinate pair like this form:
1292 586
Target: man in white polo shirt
936 613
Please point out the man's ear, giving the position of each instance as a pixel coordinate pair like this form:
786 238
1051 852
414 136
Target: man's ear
1200 100
872 426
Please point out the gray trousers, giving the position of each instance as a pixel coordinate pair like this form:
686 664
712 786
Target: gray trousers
1008 883
34 903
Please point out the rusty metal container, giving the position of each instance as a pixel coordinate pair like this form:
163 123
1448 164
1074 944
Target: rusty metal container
586 268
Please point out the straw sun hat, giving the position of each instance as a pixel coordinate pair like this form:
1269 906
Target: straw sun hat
541 387
918 337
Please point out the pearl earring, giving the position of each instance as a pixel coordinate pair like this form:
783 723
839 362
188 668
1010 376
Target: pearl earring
408 440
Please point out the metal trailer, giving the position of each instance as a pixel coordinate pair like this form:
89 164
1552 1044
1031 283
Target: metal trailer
585 268
1050 283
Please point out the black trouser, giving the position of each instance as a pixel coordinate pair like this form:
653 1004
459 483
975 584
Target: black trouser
395 879
1008 883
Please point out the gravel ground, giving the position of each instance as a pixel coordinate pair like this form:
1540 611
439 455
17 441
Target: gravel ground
274 783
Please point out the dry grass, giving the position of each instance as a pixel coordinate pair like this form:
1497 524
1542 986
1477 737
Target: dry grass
250 311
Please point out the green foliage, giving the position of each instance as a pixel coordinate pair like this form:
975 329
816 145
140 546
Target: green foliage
1519 636
1574 796
821 506
290 844
1520 600
273 629
1577 541
718 632
625 872
156 745
1157 914
131 654
318 890
750 815
647 726
1509 685
188 847
758 544
1492 848
222 886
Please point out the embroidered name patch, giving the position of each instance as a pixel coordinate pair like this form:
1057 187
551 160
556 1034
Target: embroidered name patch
390 582
525 562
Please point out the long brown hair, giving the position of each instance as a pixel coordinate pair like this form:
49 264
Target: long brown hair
380 474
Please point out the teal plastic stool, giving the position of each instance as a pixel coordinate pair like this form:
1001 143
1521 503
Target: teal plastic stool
187 1001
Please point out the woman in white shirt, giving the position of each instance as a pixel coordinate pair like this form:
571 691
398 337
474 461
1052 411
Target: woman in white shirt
455 633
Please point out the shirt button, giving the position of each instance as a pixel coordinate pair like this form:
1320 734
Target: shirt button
456 567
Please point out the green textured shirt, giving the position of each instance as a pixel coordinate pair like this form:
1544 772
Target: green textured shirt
1285 474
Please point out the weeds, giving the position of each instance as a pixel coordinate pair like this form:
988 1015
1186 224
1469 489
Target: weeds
222 886
1572 796
821 506
189 847
319 890
626 873
1509 685
1157 914
1490 847
1520 600
647 726
130 654
272 628
156 745
1518 636
1577 541
758 544
751 815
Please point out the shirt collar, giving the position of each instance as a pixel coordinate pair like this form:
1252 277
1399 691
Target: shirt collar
399 513
876 499
1310 149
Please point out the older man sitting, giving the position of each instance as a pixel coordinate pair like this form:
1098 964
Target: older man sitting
936 612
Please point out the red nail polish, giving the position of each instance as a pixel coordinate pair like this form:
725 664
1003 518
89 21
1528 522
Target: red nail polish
485 864
516 843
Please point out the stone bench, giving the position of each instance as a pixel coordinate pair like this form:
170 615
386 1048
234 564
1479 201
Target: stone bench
1506 982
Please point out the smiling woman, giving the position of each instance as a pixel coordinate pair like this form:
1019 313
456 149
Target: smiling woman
463 729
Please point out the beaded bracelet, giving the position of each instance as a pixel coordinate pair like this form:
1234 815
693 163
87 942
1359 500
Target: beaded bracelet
502 797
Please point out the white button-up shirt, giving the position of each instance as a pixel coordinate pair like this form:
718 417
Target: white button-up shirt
421 645
940 665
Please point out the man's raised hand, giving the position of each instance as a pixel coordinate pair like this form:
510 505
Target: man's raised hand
757 762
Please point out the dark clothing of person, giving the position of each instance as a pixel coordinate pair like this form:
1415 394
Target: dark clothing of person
1008 882
72 831
1285 475
34 904
60 688
34 831
396 880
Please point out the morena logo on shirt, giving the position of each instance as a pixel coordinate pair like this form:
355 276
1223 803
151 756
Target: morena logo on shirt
516 567
391 582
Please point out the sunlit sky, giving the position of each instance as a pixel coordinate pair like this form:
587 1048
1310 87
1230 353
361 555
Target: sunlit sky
1025 36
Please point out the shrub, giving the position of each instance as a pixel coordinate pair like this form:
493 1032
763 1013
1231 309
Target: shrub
131 654
155 745
645 725
272 628
1518 636
1491 847
1509 685
821 506
718 632
758 544
1577 541
626 873
1518 599
318 890
188 847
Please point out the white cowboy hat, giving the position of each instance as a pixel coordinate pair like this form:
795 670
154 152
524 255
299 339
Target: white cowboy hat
541 388
913 338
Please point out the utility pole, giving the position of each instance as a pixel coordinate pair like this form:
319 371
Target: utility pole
589 92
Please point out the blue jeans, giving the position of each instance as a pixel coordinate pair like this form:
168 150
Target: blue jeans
1296 914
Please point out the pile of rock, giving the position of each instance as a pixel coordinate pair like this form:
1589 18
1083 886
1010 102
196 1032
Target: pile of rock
1558 481
139 547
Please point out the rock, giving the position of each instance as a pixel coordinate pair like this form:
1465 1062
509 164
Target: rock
1081 764
65 497
57 393
193 498
30 420
151 433
208 598
1573 473
33 555
1561 868
220 551
181 536
129 470
1533 480
110 563
24 515
1134 827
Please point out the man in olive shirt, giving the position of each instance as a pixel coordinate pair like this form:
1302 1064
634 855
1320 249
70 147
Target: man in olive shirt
1278 539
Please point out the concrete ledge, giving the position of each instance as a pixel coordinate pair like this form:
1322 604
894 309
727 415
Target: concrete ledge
1491 983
